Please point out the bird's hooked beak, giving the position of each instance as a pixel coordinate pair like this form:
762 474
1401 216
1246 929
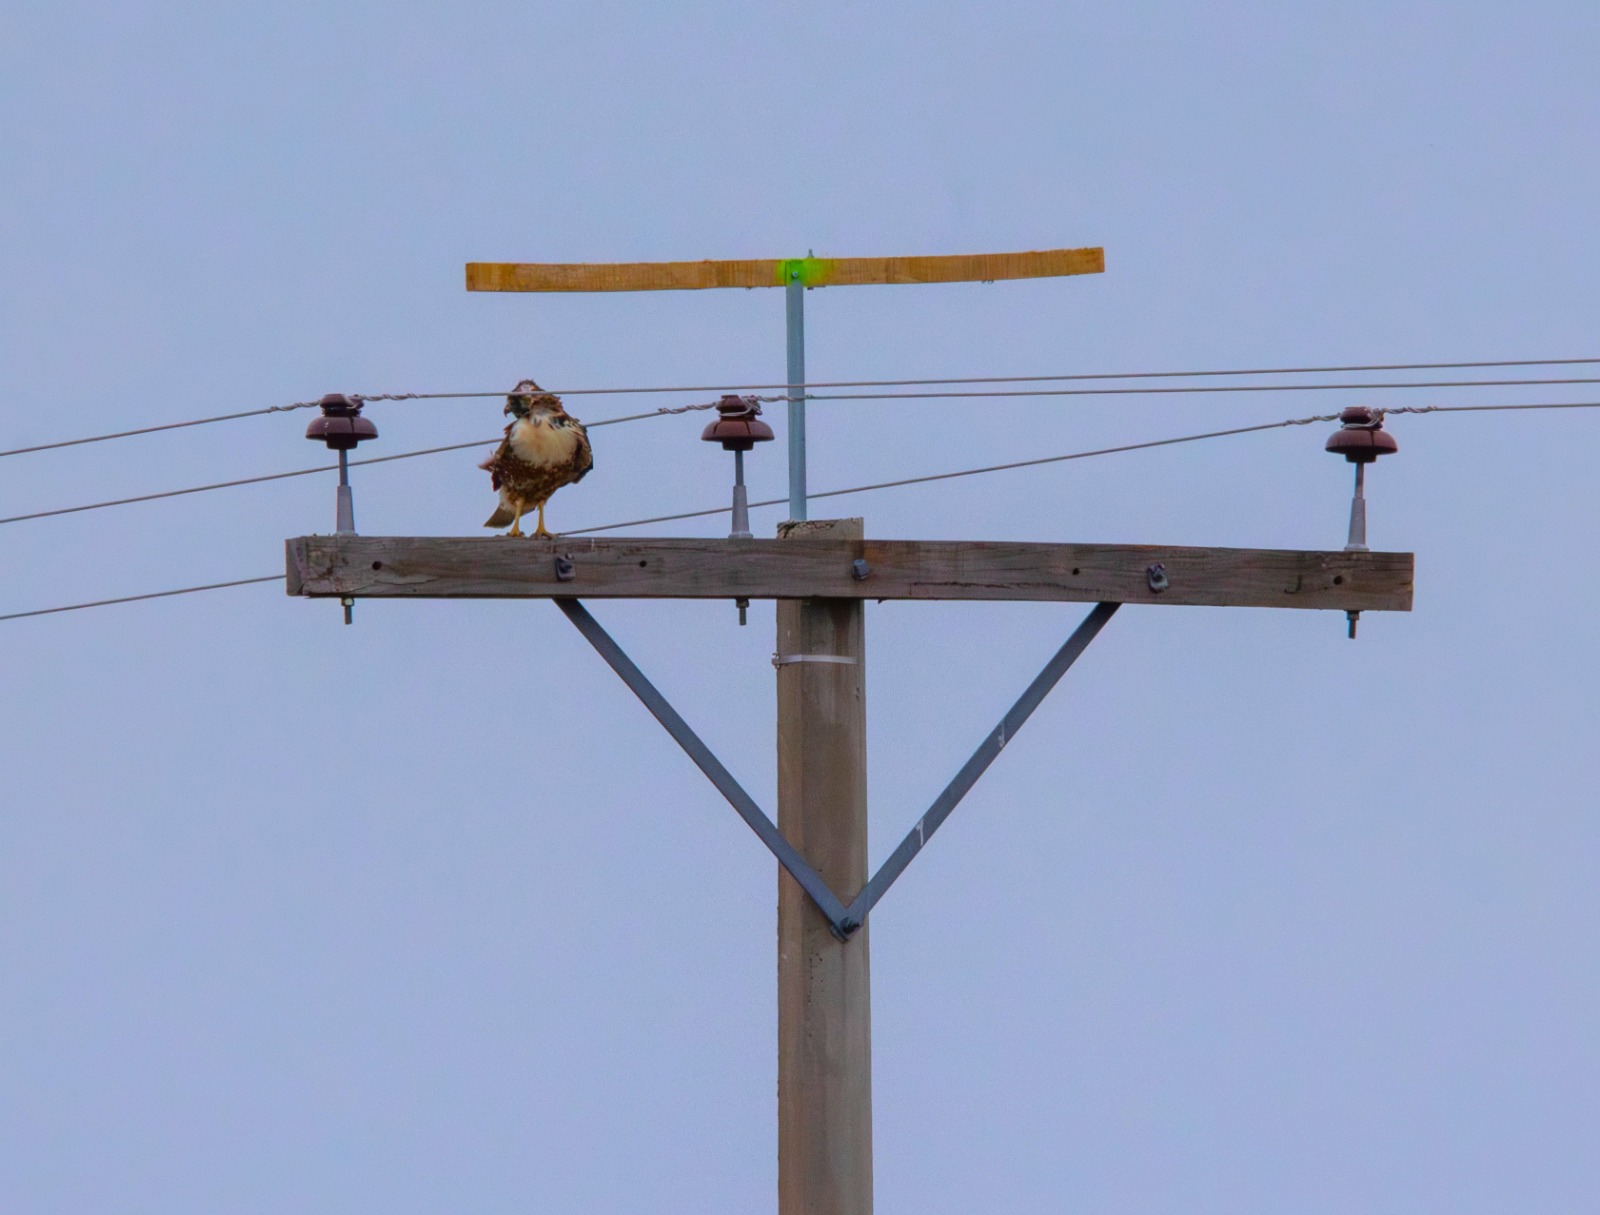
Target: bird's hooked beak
520 400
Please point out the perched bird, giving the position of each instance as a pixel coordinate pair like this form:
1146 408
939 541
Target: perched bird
544 448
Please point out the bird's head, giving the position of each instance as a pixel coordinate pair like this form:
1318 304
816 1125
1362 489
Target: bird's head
527 396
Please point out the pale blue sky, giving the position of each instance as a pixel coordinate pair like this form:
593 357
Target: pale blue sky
426 915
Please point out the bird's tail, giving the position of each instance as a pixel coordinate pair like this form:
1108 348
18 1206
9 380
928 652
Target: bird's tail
501 517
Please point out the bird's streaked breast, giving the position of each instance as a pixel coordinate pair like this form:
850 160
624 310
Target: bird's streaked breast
539 443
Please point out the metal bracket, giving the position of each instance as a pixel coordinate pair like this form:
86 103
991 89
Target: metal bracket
844 921
783 660
987 752
799 868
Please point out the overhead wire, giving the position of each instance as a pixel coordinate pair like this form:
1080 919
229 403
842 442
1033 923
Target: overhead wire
183 590
661 412
1189 375
320 468
1079 455
814 384
150 430
1190 389
430 451
993 379
855 489
973 472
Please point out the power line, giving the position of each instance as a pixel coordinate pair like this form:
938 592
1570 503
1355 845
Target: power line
1487 408
973 472
191 489
1191 388
1014 379
855 489
256 413
1000 379
186 590
1188 375
1081 455
1039 379
430 451
320 468
150 430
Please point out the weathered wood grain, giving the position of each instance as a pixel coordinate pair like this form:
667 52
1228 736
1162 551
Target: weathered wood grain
824 988
769 272
495 567
620 276
966 268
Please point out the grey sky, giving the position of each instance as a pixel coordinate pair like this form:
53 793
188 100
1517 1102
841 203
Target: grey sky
426 914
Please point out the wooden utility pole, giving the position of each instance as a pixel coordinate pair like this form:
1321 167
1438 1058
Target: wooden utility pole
824 989
821 573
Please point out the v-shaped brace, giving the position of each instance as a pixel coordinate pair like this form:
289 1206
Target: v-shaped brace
844 920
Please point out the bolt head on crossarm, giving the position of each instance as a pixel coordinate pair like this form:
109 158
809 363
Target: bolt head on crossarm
738 427
341 425
1361 438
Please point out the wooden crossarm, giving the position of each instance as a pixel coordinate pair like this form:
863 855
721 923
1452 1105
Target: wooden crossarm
809 271
495 568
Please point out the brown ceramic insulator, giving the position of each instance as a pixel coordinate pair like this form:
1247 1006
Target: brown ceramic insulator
341 425
1361 438
737 428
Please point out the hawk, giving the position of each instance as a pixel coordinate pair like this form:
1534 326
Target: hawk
545 448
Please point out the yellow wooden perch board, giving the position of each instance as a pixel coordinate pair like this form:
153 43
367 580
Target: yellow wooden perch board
809 271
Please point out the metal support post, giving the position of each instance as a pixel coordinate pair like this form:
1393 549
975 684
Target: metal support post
344 519
1358 514
830 906
824 1004
344 511
795 316
741 522
988 751
741 501
1357 542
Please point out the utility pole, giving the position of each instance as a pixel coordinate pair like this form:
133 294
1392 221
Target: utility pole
824 986
821 572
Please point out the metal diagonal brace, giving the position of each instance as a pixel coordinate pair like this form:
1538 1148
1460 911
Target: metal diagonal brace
985 755
831 906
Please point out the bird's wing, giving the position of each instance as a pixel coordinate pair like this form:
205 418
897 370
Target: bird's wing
583 459
493 464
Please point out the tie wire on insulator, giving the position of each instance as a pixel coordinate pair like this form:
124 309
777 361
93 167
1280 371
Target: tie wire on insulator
342 428
1360 439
